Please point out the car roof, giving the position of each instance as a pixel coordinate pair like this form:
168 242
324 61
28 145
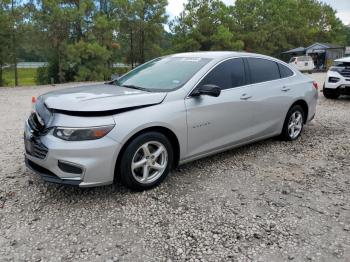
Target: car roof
344 59
218 55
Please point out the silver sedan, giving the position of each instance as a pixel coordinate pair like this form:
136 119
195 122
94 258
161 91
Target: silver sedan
166 112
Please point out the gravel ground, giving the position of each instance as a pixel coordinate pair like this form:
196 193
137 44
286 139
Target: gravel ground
270 201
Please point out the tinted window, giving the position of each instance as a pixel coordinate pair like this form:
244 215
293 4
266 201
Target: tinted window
304 58
226 75
285 71
262 70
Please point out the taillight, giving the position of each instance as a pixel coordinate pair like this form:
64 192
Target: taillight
314 83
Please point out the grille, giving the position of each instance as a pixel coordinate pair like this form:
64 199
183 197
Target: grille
34 123
35 148
345 72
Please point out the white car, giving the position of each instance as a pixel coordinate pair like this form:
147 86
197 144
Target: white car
338 79
303 63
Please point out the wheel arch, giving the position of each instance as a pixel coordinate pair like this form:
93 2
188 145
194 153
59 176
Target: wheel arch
161 129
304 106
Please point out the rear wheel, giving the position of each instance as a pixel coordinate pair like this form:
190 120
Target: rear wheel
330 93
293 124
146 161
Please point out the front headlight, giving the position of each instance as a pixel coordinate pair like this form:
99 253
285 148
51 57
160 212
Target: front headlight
80 134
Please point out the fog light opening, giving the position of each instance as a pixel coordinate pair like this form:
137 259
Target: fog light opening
69 168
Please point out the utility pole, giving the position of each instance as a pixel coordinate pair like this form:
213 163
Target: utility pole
14 44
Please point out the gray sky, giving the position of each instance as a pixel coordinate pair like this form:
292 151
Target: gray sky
342 7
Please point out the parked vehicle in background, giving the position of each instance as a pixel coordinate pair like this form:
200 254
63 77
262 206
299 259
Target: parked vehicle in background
338 79
303 63
166 112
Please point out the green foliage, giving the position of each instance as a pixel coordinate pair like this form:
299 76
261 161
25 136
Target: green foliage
262 26
88 61
347 34
272 26
82 39
42 76
5 37
26 75
141 24
121 70
204 25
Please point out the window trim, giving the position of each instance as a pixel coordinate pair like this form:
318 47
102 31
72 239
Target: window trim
220 63
212 68
246 66
278 69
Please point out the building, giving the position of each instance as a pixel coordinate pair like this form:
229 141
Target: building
323 54
347 51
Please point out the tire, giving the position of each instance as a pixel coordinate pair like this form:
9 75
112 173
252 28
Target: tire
293 113
140 167
330 93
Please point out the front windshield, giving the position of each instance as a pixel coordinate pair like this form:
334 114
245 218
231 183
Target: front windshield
163 74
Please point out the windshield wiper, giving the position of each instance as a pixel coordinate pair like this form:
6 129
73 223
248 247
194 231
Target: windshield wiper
137 87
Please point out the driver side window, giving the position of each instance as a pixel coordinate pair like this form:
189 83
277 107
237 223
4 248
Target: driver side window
226 75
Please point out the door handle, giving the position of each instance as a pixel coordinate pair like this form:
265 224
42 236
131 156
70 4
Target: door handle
285 89
245 97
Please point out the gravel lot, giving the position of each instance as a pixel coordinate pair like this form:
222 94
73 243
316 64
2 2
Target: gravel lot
270 201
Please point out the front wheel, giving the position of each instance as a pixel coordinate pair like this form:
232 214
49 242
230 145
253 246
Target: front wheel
293 124
146 161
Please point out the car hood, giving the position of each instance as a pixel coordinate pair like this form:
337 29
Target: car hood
99 98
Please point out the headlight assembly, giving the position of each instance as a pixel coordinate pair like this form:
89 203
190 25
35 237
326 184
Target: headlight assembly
81 134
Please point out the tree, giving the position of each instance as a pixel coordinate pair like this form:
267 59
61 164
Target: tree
141 28
5 37
87 61
204 25
53 23
272 26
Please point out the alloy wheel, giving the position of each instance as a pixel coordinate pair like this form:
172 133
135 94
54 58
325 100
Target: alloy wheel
149 162
295 124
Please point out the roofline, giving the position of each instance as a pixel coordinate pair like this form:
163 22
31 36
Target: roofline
325 46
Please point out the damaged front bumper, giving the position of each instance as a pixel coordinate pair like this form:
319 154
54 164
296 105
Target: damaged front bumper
80 163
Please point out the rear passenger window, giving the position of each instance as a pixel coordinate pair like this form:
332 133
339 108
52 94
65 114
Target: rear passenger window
284 71
262 70
226 75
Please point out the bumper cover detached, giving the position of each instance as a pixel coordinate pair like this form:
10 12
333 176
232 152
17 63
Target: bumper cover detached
79 163
49 176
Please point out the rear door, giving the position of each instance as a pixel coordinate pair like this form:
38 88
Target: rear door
269 95
216 122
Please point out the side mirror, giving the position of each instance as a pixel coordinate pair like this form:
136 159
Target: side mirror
209 90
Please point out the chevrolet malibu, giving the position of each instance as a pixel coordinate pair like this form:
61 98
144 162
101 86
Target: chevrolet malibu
166 112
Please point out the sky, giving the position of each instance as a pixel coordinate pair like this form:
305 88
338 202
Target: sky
342 6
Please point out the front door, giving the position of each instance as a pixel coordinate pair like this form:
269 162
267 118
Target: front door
216 122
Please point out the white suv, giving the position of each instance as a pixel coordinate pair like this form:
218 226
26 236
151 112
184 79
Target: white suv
303 63
338 79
